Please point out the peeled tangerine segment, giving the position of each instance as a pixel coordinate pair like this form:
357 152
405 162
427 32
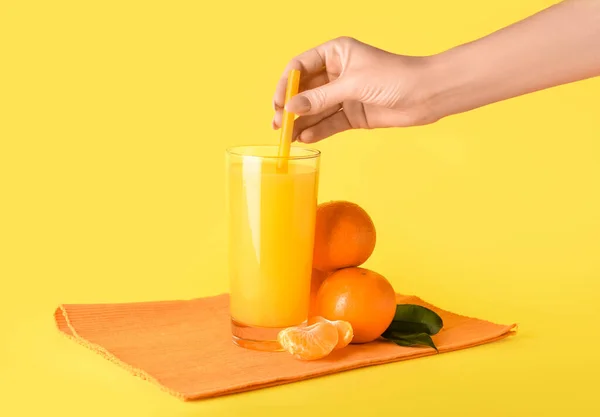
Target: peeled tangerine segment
345 332
311 342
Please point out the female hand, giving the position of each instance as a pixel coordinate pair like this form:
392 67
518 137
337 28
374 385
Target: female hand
346 84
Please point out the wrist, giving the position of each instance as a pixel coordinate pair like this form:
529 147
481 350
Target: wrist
447 84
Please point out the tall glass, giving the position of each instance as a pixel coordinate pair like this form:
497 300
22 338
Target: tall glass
271 205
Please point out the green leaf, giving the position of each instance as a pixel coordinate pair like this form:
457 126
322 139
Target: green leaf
415 319
410 340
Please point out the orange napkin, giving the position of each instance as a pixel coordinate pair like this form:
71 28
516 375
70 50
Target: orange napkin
185 347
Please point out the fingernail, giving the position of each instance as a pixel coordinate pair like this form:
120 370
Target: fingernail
298 105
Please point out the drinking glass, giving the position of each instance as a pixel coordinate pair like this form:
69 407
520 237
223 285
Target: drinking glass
271 204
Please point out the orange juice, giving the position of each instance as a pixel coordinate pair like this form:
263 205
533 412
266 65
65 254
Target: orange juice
271 242
271 234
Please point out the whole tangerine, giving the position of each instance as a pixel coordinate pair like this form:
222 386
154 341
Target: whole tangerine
344 236
361 297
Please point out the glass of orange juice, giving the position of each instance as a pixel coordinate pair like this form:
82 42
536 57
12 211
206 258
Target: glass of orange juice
271 204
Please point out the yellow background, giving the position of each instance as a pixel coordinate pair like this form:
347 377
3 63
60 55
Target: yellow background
114 116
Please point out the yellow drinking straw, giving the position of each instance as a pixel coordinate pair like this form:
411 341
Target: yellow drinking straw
287 126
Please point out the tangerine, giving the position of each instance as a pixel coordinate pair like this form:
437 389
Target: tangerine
344 236
363 298
345 332
309 342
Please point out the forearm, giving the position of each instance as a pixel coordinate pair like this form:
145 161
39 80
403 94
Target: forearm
556 46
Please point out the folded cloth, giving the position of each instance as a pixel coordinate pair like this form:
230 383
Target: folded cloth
185 346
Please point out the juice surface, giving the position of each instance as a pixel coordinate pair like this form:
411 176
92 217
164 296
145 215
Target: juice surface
271 233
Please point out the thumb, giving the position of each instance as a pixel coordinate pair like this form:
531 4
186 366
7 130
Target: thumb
321 98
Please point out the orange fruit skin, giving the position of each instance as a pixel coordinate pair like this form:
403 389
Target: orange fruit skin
344 236
363 298
309 342
317 279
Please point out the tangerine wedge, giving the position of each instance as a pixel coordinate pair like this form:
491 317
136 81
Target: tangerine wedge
345 332
310 342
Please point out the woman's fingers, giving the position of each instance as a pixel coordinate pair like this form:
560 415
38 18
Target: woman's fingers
326 96
336 123
304 122
309 62
306 83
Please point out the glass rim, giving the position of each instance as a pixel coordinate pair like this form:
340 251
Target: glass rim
236 151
